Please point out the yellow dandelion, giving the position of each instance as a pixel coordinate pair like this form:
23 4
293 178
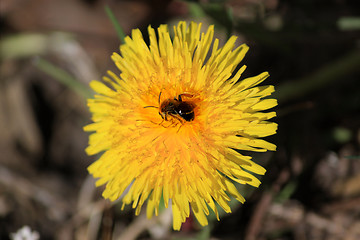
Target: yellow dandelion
172 123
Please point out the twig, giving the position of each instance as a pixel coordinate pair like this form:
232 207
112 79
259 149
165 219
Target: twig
261 208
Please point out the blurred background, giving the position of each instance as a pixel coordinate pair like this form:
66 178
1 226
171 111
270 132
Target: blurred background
51 50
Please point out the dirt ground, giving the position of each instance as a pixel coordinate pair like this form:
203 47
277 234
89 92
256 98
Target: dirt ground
311 49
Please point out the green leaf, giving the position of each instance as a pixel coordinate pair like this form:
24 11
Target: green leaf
196 10
332 72
349 23
286 192
118 28
220 14
23 45
63 77
204 234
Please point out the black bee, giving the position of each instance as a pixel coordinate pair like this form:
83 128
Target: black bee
177 108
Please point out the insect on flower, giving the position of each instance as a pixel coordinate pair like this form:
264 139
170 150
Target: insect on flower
176 108
190 157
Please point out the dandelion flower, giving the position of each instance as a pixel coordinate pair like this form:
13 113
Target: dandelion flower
173 123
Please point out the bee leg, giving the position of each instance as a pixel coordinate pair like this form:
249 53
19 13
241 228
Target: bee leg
159 97
161 123
179 128
163 119
175 123
171 123
188 95
162 116
178 118
151 107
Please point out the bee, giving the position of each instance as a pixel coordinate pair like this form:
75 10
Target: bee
177 108
182 110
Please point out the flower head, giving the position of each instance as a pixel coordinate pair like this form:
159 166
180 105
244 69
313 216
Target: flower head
172 123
